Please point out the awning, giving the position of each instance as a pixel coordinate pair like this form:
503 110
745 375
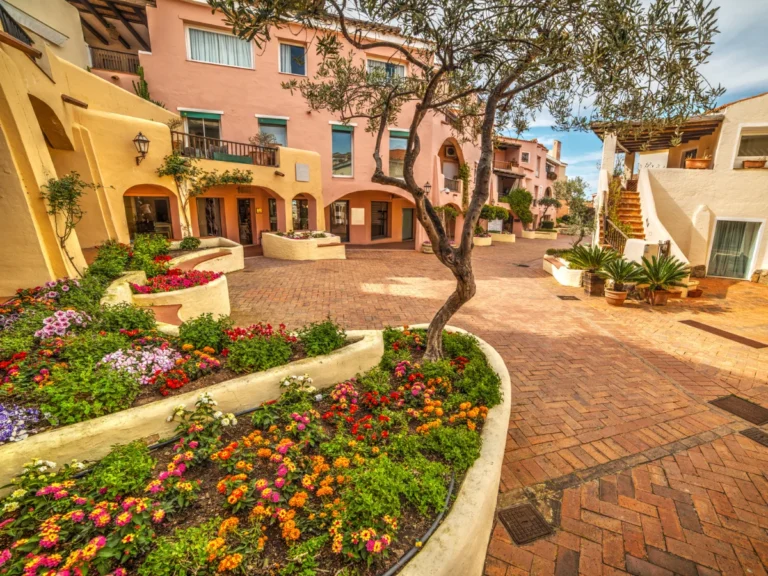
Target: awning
642 139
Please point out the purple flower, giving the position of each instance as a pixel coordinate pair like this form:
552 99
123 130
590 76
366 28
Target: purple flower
52 294
15 423
65 288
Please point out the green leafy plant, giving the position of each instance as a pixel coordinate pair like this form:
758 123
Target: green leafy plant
547 225
141 88
621 272
322 338
183 553
375 380
87 296
459 446
204 331
519 200
548 202
126 316
590 258
580 218
662 272
125 470
488 212
112 259
88 350
464 174
258 353
190 243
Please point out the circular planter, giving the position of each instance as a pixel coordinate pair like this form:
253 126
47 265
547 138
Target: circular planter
752 164
615 297
212 297
657 297
697 163
426 248
503 238
482 241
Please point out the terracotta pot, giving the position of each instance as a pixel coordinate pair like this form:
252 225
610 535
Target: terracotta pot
696 293
615 297
697 163
658 297
754 163
426 248
593 284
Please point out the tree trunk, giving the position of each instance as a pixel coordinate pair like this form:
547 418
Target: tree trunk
465 290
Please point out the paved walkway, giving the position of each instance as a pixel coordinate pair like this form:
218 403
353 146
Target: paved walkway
611 434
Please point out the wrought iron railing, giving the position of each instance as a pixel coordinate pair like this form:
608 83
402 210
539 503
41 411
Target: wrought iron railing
551 175
452 184
193 146
614 236
505 164
10 26
112 60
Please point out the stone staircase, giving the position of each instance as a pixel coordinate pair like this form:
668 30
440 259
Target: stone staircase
629 212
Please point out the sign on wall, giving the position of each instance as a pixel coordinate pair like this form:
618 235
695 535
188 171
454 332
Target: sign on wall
357 216
495 225
302 172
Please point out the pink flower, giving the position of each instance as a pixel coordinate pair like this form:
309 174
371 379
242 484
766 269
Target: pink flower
301 427
282 470
275 497
5 555
280 482
194 444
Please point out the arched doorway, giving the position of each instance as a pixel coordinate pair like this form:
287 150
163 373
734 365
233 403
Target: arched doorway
449 214
151 209
303 212
451 159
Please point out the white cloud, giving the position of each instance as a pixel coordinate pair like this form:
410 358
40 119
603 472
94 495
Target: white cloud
586 158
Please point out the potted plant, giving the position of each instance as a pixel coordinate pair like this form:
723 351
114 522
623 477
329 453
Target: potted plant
620 272
698 163
751 164
591 259
660 274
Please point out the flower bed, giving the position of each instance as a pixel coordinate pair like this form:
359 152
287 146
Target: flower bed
174 280
348 477
303 246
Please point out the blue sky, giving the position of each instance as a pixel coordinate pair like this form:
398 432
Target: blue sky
738 63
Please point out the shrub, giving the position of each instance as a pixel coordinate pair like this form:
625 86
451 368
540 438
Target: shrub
322 338
125 470
126 316
480 384
392 358
547 225
205 331
440 369
621 272
111 260
20 337
661 273
590 258
182 554
150 244
258 353
88 295
375 380
84 392
88 350
190 243
458 446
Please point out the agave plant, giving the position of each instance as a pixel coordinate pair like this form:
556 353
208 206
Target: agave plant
621 272
661 273
591 258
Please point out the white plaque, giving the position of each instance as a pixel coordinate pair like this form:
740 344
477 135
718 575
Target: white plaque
357 217
302 172
495 225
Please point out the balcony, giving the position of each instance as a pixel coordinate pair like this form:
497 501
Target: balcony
505 164
115 61
551 175
452 184
193 146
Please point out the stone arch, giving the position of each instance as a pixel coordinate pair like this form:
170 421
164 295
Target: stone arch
149 208
53 129
548 192
361 231
453 223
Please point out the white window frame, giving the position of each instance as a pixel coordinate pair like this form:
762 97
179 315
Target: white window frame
525 157
386 61
351 148
755 250
736 159
279 58
188 27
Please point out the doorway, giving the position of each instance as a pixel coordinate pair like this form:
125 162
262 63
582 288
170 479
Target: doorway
407 223
340 219
733 248
209 216
300 214
272 207
148 215
245 220
379 220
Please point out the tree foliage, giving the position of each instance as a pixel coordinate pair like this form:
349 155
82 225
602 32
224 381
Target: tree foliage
548 202
519 200
483 65
573 192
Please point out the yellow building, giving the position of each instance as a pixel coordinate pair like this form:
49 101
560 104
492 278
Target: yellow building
56 117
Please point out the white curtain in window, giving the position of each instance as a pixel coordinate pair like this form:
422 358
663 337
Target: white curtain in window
285 58
732 248
219 48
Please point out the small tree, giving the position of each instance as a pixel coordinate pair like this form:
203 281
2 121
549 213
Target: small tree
264 139
573 192
141 88
520 200
62 195
483 65
192 181
548 202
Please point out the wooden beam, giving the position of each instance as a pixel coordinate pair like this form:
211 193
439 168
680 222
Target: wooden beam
73 101
99 36
127 24
11 41
103 21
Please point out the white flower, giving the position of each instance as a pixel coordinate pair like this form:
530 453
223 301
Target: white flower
318 397
218 414
225 421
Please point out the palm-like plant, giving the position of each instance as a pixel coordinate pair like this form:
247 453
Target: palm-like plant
621 272
591 258
661 273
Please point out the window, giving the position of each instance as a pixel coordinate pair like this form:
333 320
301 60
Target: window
293 59
398 141
272 208
525 157
342 150
753 145
688 154
538 165
300 211
390 69
217 48
148 214
379 220
203 124
733 248
277 127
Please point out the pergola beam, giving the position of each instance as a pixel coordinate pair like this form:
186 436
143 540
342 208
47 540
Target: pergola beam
103 21
99 36
127 25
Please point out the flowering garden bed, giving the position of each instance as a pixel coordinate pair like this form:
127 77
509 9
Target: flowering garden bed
174 279
339 481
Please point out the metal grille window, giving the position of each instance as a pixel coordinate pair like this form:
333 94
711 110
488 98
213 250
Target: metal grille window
379 220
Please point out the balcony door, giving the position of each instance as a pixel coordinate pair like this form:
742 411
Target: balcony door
733 248
340 219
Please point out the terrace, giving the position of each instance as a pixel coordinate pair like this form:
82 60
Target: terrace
193 146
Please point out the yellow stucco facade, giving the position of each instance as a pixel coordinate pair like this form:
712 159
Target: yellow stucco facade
61 118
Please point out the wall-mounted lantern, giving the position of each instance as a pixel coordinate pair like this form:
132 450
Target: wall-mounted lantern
427 188
142 147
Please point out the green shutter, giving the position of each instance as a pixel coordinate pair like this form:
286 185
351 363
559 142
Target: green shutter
341 128
399 133
273 121
203 115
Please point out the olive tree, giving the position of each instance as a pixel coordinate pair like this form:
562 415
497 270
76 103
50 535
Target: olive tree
581 216
485 65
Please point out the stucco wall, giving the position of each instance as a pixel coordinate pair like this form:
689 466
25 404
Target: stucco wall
361 234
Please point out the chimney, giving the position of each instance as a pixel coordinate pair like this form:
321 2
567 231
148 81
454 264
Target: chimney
556 149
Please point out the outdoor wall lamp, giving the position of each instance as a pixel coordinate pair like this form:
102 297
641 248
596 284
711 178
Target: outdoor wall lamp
427 187
142 147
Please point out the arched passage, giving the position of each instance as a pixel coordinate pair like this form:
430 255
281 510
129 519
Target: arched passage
149 209
372 217
53 129
303 212
451 158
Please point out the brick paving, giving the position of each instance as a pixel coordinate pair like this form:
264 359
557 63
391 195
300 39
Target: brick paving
610 435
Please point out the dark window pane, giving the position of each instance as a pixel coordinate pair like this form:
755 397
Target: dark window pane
342 153
379 220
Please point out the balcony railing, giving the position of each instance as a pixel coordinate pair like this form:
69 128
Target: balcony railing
551 175
452 184
10 26
112 60
193 146
614 236
505 164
